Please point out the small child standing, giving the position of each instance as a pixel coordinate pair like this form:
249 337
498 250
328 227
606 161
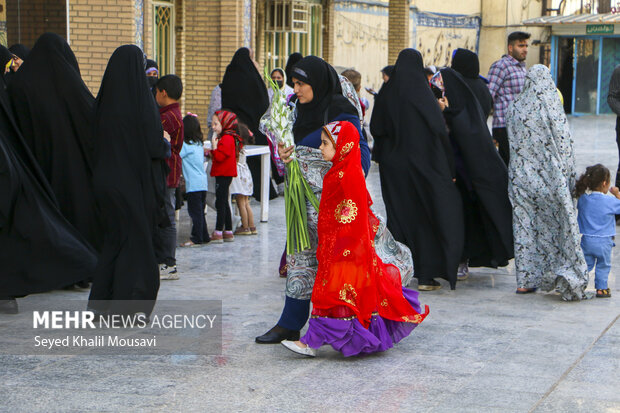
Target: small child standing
597 222
242 187
192 154
225 144
358 303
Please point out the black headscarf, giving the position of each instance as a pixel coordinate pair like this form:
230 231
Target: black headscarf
40 250
129 178
412 79
20 51
388 70
151 63
152 80
482 177
423 206
244 92
5 56
290 64
53 108
467 64
328 101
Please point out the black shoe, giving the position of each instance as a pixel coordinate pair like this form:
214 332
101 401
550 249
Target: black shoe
82 284
277 334
431 285
8 306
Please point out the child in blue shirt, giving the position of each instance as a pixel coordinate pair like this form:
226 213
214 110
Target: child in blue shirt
192 155
597 223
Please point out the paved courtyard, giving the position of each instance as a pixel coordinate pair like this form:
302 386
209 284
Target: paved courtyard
482 348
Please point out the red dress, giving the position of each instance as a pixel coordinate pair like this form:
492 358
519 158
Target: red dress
359 304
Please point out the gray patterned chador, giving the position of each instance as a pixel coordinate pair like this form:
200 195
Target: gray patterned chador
542 175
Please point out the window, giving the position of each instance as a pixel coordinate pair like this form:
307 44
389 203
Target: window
163 33
292 26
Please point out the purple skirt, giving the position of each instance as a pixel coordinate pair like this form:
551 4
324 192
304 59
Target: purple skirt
351 338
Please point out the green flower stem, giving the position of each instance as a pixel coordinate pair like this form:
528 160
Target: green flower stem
296 192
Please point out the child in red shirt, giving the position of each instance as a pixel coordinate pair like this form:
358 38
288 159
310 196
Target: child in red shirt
226 142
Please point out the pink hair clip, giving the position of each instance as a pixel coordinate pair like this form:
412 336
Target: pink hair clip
192 114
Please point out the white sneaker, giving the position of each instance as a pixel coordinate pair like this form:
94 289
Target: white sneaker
291 345
168 273
463 272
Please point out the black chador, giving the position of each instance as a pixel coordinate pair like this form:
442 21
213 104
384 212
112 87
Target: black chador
129 181
54 110
467 64
39 249
423 205
244 93
481 177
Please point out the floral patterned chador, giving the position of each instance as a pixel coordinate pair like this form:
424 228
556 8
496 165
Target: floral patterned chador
542 175
359 304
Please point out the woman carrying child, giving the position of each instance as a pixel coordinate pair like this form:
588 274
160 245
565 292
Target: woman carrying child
597 223
192 154
359 305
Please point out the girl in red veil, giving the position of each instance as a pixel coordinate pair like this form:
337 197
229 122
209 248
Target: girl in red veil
359 305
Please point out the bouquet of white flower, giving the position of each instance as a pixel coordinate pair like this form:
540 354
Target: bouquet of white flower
277 124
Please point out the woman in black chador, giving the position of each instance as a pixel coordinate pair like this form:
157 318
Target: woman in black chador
130 182
423 205
244 93
467 64
481 177
39 249
54 111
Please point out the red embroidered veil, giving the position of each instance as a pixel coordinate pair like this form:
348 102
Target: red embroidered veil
351 280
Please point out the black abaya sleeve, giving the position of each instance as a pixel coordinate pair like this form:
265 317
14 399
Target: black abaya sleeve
159 148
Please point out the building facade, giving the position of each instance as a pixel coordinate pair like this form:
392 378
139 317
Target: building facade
584 50
196 38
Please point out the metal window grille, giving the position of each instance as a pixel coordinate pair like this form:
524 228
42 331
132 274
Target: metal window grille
292 26
164 37
287 16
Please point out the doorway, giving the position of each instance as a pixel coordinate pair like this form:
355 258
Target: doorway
565 71
586 75
582 67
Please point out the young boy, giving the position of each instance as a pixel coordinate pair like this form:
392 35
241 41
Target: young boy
168 90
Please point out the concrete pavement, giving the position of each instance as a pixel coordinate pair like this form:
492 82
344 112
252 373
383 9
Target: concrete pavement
482 348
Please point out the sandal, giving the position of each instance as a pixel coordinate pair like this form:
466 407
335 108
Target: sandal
243 231
606 293
526 291
254 230
189 244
